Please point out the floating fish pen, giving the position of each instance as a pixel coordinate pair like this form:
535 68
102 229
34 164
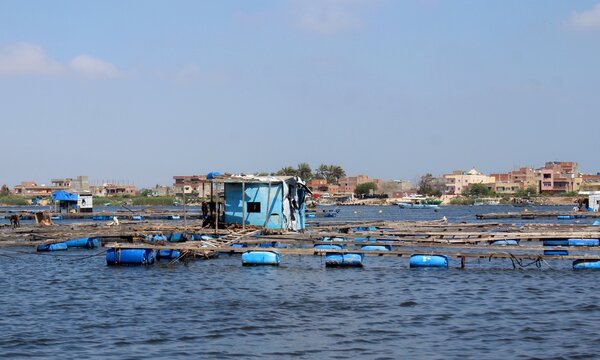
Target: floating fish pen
422 244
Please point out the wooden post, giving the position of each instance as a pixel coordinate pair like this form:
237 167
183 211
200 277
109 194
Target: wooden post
216 212
243 205
462 262
268 207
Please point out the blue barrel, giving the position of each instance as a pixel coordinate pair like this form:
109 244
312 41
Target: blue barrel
52 247
100 217
311 216
376 247
254 257
436 261
583 242
556 242
505 242
137 218
129 256
359 239
239 245
596 223
564 217
344 260
556 252
272 244
174 217
88 243
56 217
583 264
176 237
329 247
159 237
168 254
331 215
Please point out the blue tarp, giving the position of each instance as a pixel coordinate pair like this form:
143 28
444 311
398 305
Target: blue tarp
61 195
213 174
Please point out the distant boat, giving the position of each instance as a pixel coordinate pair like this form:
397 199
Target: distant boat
419 202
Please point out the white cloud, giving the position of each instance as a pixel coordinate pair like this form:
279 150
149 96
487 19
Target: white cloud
329 16
589 19
91 67
27 59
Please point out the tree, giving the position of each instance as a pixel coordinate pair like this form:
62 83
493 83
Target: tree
287 171
477 190
337 172
4 190
529 191
365 188
304 171
426 186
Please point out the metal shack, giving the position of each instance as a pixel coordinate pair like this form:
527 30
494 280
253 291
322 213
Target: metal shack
273 202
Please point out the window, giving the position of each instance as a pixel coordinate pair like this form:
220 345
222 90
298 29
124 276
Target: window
253 207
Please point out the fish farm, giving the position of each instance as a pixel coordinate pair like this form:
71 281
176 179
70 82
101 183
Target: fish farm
421 244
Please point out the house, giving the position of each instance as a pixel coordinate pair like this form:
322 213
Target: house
559 176
273 202
459 181
191 185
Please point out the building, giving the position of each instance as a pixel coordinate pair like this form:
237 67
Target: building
523 178
349 184
322 188
274 202
459 181
394 188
30 188
192 186
559 176
110 189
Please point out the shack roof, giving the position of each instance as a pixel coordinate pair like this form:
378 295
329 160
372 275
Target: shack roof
62 195
253 179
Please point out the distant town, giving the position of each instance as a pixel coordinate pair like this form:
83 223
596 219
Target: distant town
330 181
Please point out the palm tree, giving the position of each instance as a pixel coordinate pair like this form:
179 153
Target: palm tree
336 172
304 171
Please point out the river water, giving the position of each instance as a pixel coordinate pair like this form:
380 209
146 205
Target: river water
71 305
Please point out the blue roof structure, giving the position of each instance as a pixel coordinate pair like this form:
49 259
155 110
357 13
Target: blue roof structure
61 195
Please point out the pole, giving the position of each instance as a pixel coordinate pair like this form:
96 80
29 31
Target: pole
184 212
216 211
268 203
243 206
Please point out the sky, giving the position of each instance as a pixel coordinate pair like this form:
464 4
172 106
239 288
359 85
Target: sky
144 90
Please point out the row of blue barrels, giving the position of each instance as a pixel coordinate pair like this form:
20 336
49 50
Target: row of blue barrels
86 243
255 257
265 257
571 242
569 217
139 256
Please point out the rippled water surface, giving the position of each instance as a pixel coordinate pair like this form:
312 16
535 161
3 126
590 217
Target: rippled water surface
71 305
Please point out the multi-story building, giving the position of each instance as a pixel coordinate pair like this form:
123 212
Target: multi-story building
459 181
559 176
110 189
523 178
348 184
30 188
193 186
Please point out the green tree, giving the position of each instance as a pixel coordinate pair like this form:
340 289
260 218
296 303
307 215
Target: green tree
4 190
304 171
287 171
426 186
529 191
365 188
337 172
478 190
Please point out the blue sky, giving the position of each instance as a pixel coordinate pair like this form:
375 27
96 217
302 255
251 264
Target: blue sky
144 90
